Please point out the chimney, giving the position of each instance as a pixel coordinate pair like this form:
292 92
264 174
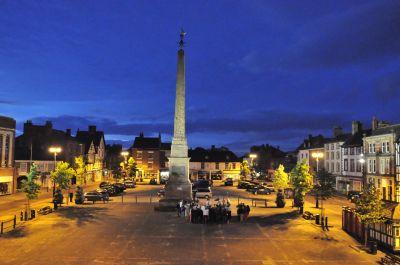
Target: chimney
92 128
374 123
49 124
68 132
337 131
27 126
141 135
356 127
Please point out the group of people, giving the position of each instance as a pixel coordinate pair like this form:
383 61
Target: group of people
198 213
220 212
243 211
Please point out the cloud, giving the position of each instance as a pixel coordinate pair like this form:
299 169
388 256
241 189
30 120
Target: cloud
364 33
388 87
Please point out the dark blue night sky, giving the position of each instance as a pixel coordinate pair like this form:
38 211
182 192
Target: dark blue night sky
257 71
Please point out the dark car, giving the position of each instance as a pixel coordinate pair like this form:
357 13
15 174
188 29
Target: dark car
153 181
228 182
104 193
243 185
45 210
251 187
353 195
120 185
262 191
129 184
103 184
93 196
113 190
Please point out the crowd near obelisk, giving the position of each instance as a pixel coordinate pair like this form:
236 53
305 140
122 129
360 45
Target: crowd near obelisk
179 186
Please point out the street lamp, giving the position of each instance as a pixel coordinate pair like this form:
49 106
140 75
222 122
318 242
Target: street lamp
362 162
125 155
252 157
55 150
317 156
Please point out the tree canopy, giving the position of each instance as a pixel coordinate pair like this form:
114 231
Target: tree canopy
245 169
29 186
62 175
80 170
326 183
301 180
281 178
369 207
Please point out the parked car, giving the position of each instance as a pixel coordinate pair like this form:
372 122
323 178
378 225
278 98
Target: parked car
45 210
228 182
129 184
203 193
103 184
243 185
250 187
93 196
120 185
270 187
113 190
353 195
104 194
153 181
262 191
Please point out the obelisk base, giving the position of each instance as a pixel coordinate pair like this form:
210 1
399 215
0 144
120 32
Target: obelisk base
178 186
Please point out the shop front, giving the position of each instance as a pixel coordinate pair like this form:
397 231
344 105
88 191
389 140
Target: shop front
6 183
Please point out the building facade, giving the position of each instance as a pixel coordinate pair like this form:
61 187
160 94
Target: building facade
93 143
314 144
214 163
353 162
150 155
7 143
43 167
380 158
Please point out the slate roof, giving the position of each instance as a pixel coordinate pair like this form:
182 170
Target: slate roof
339 138
142 142
87 137
356 139
386 130
7 122
312 142
212 155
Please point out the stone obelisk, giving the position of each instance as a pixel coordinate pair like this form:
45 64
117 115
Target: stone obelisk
178 186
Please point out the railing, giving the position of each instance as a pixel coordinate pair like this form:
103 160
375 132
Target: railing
8 225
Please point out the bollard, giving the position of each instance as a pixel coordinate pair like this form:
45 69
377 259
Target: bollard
122 197
15 222
317 219
26 216
1 229
22 216
326 222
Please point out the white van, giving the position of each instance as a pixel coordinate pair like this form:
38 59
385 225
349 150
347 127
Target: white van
203 193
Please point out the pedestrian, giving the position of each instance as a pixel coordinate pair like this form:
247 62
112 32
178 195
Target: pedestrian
246 212
187 211
178 209
228 212
206 212
240 210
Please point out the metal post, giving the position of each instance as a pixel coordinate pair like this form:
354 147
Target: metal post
1 229
136 198
15 221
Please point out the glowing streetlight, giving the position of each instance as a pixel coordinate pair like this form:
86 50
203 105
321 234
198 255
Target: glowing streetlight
317 156
125 155
55 150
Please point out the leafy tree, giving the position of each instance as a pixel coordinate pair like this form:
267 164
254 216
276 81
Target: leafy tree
302 182
30 187
281 178
245 169
62 175
80 170
117 173
370 209
325 187
131 167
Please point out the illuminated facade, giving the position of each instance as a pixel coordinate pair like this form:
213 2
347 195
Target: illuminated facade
7 141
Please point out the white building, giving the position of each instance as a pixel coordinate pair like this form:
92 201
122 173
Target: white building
7 143
314 144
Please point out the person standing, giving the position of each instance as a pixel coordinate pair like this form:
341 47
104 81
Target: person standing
206 212
228 212
246 212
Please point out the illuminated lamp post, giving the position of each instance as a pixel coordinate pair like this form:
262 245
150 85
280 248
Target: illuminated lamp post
125 155
55 150
317 156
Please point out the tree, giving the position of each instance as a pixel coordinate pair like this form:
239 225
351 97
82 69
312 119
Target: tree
30 187
370 209
131 167
325 187
80 170
62 175
244 169
301 180
281 178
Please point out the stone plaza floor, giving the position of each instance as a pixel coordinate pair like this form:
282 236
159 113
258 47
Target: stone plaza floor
133 233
